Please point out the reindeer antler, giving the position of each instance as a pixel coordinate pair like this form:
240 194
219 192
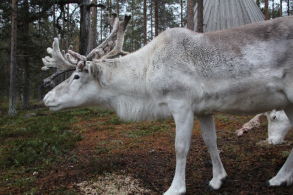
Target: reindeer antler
115 39
57 60
73 60
120 38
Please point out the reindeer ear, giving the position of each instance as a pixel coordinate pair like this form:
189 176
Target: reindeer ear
101 73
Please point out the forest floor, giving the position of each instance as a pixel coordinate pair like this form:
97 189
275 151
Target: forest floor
118 157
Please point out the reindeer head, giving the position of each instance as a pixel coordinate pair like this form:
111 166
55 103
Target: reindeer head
278 126
72 92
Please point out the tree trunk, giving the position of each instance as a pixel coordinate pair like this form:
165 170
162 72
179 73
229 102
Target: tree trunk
132 28
85 26
144 23
63 35
273 9
288 7
190 23
40 93
117 8
164 15
26 74
101 27
281 8
267 17
181 13
200 16
258 3
156 17
68 35
152 33
12 90
54 20
94 26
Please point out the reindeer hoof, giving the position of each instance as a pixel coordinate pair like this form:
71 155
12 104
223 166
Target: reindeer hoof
283 184
211 188
208 187
267 183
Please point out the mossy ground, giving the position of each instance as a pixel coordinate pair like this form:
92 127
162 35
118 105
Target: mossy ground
51 153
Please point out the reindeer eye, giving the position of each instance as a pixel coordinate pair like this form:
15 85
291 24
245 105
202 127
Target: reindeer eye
76 76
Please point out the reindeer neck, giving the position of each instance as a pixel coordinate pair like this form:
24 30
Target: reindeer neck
127 74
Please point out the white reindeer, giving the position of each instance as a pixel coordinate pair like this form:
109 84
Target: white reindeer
278 126
181 73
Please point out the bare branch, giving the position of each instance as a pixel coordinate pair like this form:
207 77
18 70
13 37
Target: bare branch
97 5
62 2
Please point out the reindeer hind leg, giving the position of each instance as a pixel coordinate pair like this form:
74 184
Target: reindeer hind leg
285 175
207 126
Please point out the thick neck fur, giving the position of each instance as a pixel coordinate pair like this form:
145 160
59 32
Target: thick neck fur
123 85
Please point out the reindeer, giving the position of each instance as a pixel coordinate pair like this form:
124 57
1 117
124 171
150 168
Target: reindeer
182 74
278 126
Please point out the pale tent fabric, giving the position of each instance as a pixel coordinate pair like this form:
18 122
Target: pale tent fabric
223 14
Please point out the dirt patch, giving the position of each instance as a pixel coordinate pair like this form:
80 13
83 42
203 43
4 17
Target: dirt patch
113 184
139 158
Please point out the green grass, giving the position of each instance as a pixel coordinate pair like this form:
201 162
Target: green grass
143 129
115 120
24 141
29 144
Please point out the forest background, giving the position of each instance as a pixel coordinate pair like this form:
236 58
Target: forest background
38 21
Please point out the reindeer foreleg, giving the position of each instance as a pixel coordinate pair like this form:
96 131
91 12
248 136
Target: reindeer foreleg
184 120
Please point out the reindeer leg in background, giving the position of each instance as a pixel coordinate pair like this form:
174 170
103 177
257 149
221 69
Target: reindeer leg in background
207 125
285 175
253 123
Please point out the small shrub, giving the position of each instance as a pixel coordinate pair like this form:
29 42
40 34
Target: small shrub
29 140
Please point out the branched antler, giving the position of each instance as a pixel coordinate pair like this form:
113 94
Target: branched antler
58 60
120 38
110 48
114 40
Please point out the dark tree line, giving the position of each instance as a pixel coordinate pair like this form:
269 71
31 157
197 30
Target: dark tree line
25 37
275 8
74 22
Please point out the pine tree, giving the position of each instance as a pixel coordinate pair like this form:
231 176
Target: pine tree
200 16
190 7
12 92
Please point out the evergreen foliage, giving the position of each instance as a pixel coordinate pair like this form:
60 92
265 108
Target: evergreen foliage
32 43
